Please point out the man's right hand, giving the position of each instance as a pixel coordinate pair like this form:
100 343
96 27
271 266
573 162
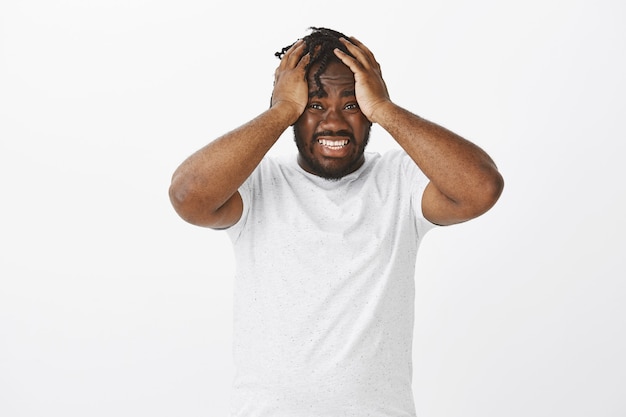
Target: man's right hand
291 89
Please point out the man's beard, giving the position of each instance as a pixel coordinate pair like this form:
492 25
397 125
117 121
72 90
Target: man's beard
329 172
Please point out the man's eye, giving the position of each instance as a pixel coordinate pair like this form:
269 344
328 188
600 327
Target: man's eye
315 106
352 106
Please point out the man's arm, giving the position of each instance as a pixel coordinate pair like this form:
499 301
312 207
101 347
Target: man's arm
464 180
204 187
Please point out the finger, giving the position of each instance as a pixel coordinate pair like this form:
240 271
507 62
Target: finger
293 47
358 53
362 52
304 61
293 54
349 61
360 45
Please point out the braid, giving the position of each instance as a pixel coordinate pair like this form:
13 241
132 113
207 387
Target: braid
320 44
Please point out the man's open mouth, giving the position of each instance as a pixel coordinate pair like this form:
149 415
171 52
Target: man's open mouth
333 144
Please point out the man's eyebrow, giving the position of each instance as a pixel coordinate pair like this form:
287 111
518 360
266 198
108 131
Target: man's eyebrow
317 93
320 94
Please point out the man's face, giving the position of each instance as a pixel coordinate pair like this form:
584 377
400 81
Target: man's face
332 133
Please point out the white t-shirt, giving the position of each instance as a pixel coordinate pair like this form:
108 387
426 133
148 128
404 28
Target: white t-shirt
324 290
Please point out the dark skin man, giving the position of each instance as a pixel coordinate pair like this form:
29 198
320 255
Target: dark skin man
326 244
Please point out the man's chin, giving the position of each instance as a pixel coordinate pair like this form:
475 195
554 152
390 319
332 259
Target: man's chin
332 171
331 176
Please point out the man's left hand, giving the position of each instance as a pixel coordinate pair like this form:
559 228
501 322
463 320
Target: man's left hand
370 88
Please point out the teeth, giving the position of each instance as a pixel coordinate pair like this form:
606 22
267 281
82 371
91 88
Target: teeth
333 143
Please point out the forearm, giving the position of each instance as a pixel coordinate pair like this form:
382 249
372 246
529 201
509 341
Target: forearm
206 180
459 169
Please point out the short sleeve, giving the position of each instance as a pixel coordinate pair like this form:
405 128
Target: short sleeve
417 182
246 192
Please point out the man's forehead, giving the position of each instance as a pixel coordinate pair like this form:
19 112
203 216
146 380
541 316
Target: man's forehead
335 74
334 70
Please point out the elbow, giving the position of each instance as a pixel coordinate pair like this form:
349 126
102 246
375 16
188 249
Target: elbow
195 206
183 200
473 199
179 193
497 186
489 192
179 197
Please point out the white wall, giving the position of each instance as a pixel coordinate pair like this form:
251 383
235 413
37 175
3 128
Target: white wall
112 305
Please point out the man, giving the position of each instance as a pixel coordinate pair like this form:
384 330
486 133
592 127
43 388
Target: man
325 244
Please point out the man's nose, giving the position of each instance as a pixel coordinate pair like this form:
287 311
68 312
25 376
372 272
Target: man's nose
333 120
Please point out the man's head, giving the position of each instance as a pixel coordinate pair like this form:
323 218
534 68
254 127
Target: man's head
332 132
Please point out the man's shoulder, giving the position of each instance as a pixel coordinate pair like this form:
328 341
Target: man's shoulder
279 161
390 160
273 165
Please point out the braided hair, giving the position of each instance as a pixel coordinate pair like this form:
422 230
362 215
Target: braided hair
320 44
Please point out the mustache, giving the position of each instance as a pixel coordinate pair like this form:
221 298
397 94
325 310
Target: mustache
330 133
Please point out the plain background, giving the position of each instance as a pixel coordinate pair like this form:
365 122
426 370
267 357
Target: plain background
111 305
